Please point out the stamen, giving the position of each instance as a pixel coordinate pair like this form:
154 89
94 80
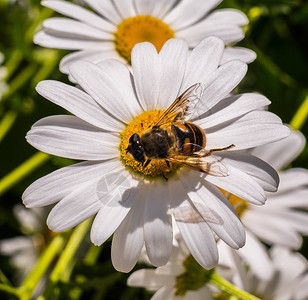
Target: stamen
157 167
140 29
239 204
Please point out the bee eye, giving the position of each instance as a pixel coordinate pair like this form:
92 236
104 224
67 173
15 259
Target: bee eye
134 138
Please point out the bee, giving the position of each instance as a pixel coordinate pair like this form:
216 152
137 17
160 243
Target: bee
174 139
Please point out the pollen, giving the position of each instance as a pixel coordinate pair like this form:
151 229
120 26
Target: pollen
157 167
239 204
140 29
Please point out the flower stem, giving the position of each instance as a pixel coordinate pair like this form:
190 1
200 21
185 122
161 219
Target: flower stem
19 81
9 289
3 279
13 63
229 288
61 271
65 264
31 281
89 260
6 123
22 171
300 116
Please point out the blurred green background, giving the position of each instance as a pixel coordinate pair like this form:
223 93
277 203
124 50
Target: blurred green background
278 33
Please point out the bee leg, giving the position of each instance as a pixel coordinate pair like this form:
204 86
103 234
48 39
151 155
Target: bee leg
168 164
166 178
218 149
146 163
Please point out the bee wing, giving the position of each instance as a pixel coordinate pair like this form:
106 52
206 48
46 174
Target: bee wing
182 107
209 165
195 214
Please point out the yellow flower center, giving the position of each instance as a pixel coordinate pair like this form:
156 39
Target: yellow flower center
239 204
157 167
140 29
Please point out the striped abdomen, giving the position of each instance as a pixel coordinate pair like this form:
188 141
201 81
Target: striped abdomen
190 137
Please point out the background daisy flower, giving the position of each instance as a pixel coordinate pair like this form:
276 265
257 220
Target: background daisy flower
24 250
288 281
283 219
138 204
181 278
3 71
114 27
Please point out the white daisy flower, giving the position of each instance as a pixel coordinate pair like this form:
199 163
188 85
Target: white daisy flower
3 72
181 278
112 28
136 202
24 250
288 281
284 219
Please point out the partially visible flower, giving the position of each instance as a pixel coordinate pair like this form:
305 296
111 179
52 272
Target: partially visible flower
289 280
284 218
115 27
24 250
134 202
181 278
3 72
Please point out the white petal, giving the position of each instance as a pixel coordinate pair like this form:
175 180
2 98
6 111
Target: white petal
200 294
293 199
290 264
79 13
148 278
279 154
173 53
146 71
119 72
14 245
46 40
144 7
30 219
224 24
128 239
292 180
90 55
198 236
301 291
46 191
157 224
203 60
195 33
126 8
70 137
78 103
106 9
228 16
109 85
187 12
118 201
76 207
259 170
253 129
155 8
64 27
221 82
243 54
231 108
164 293
271 229
256 256
228 226
239 184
